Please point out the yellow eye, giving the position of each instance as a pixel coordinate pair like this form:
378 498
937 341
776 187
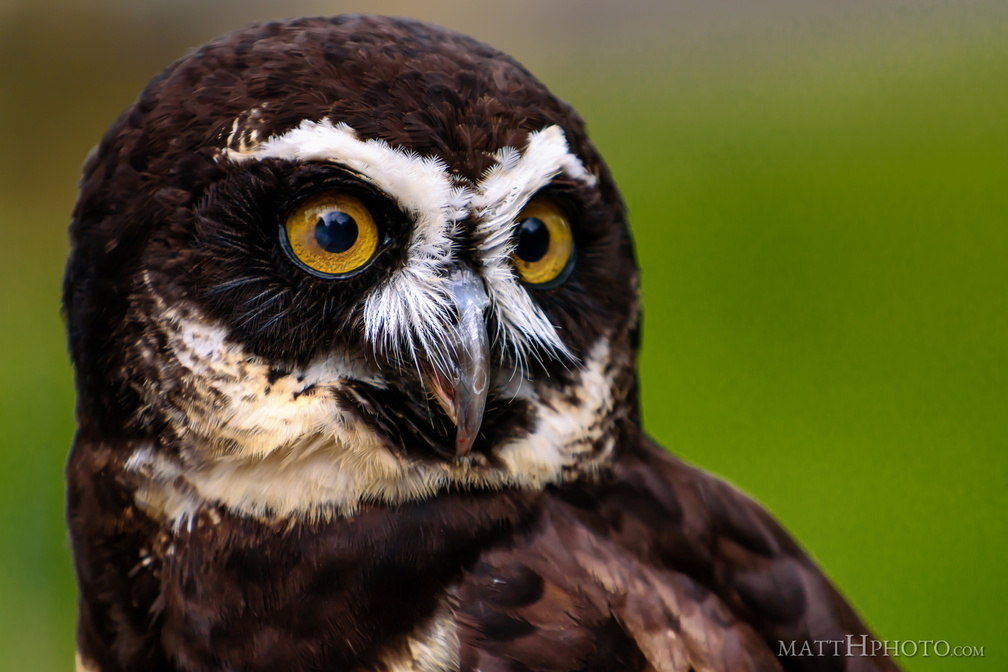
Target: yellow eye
331 234
543 243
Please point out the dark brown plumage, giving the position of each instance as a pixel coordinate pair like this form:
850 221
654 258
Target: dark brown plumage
262 479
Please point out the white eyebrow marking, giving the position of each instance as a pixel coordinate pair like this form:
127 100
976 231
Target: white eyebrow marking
502 193
420 185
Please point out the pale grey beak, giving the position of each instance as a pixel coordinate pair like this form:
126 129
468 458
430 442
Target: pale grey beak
462 389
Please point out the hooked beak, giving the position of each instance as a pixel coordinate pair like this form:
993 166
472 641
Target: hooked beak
462 389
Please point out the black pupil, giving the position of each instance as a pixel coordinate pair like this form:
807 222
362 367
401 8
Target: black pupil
336 232
533 240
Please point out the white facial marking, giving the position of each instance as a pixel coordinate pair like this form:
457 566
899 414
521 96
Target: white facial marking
234 402
565 429
255 446
406 314
503 192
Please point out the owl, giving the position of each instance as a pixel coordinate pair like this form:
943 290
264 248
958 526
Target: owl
354 314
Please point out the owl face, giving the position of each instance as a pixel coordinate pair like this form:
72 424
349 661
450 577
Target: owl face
332 262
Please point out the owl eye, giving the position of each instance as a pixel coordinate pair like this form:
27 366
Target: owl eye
331 234
543 244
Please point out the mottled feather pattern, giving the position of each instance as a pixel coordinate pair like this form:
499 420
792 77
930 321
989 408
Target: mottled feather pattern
264 476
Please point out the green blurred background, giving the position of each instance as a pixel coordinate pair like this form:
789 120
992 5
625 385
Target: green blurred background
819 192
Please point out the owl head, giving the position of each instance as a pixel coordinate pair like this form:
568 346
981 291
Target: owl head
325 263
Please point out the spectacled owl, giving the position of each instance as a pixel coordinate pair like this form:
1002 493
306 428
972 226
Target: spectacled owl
354 314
